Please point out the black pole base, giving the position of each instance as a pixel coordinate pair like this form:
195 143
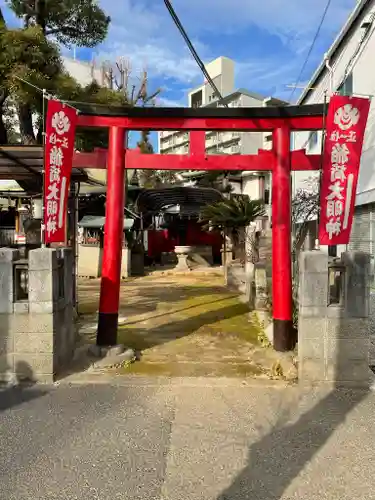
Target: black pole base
107 329
284 335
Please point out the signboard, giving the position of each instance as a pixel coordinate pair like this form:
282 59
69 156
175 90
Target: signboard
345 129
59 146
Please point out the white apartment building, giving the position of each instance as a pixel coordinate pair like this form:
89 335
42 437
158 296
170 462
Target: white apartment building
222 72
84 72
348 68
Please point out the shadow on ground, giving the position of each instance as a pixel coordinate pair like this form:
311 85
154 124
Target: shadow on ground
280 456
15 396
146 338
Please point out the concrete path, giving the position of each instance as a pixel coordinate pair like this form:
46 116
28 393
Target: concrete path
185 440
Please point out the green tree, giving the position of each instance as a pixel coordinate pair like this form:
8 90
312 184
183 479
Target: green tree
71 22
78 22
233 213
25 54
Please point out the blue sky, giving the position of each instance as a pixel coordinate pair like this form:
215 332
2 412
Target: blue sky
268 39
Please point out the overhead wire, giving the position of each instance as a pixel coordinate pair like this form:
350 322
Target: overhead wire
311 48
193 52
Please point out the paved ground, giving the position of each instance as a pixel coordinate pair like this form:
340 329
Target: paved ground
185 441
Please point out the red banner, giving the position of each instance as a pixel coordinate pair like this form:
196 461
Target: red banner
59 147
345 129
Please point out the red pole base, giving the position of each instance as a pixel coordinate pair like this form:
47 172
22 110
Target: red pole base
284 335
107 329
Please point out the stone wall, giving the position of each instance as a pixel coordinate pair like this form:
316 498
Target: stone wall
333 327
90 261
37 331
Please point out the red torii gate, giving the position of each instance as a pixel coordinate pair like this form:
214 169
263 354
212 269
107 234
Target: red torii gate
281 121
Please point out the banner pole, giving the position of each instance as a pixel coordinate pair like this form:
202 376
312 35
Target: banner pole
42 225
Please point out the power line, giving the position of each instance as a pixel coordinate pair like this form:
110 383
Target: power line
192 49
311 48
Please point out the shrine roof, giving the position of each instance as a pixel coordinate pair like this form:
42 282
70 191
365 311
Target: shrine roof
24 164
204 112
154 200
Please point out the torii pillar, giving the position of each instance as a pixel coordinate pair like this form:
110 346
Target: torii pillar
281 242
281 121
113 240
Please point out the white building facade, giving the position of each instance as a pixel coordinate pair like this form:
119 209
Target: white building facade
348 68
222 72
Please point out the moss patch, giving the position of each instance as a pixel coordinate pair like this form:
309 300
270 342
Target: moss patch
183 326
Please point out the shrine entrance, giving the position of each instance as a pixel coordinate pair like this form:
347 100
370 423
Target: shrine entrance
281 121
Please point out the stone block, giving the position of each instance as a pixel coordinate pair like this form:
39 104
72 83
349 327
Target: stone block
34 343
336 312
343 350
357 301
358 262
313 261
357 372
68 275
311 370
346 328
8 255
313 289
6 362
21 307
311 328
6 287
311 348
43 286
43 259
31 323
312 311
6 337
42 307
29 365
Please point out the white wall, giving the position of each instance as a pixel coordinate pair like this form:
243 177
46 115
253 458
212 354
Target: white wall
363 84
83 71
251 186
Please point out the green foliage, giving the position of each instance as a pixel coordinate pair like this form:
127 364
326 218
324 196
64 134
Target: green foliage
215 179
28 55
79 22
144 144
91 138
233 213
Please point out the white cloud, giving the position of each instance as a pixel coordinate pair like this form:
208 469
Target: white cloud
143 31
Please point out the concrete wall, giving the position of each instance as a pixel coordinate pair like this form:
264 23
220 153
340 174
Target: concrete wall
37 334
90 261
334 338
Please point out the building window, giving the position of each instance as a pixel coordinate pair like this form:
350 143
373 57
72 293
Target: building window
346 88
197 99
313 139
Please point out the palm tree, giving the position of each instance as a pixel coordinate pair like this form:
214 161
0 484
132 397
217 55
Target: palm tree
232 213
232 216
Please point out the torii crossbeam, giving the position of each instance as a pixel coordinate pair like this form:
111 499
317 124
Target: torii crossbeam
281 121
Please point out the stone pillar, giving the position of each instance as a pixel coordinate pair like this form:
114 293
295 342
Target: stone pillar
46 335
7 258
333 326
182 263
126 263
